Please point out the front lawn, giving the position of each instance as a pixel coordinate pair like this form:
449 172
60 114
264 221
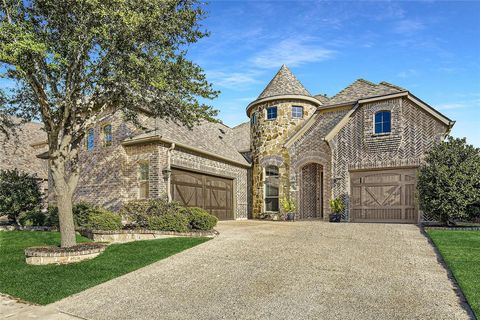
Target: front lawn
461 252
46 284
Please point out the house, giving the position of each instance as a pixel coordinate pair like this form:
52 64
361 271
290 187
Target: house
19 150
363 145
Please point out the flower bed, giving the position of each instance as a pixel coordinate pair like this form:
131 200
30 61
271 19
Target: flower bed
57 255
121 236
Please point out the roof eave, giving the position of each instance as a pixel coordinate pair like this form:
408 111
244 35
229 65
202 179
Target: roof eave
157 138
282 97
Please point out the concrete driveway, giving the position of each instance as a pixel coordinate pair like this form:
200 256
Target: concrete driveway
274 270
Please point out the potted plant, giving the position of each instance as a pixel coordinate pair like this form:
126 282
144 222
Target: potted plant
289 207
337 206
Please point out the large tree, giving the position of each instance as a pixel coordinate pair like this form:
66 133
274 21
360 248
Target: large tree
74 60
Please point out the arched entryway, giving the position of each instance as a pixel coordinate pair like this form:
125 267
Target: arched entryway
311 199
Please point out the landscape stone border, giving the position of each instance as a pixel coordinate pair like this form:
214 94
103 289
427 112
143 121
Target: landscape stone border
121 236
57 255
459 228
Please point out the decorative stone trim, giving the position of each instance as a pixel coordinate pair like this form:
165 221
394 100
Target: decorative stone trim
458 228
121 236
57 255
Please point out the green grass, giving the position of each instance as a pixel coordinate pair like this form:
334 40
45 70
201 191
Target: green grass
46 284
461 252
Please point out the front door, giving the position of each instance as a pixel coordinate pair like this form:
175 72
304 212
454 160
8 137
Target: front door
311 201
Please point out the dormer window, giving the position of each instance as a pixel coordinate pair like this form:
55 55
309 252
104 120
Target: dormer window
297 112
271 113
383 122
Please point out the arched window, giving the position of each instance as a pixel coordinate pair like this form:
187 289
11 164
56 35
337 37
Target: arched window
271 188
383 122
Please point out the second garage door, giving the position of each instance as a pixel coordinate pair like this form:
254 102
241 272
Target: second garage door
212 193
383 196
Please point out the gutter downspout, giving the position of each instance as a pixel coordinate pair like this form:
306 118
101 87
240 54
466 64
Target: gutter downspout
168 171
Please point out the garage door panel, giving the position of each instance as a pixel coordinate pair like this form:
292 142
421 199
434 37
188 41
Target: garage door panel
383 196
214 194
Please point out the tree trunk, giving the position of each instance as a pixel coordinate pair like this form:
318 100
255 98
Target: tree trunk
64 186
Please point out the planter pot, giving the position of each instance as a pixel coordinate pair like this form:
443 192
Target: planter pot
335 217
290 216
275 217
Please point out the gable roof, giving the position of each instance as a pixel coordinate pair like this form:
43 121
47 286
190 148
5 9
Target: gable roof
284 83
240 136
361 89
209 138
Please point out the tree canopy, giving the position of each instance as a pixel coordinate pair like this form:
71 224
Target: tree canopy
75 60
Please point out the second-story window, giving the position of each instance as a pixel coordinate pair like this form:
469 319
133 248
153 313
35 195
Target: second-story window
383 122
143 180
90 139
253 119
271 113
107 135
297 112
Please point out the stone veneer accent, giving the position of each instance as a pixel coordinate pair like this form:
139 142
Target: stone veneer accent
37 255
138 235
357 147
267 139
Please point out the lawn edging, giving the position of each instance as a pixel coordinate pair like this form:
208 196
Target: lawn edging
43 255
122 236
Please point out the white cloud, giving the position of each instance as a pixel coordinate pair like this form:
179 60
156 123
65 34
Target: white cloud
450 106
407 73
292 52
232 80
408 26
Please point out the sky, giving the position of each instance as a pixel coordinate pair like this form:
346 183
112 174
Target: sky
432 48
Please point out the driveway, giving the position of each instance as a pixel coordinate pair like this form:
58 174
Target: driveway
273 270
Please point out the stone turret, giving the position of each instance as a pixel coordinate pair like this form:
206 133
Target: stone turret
278 112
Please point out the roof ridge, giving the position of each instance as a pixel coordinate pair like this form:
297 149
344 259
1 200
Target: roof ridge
388 84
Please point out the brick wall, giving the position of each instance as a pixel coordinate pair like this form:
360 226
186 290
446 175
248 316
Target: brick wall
357 147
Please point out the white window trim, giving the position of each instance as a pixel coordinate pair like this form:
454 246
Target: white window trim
276 113
373 123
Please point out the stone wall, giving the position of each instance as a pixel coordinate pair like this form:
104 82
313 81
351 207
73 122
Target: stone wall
267 139
357 147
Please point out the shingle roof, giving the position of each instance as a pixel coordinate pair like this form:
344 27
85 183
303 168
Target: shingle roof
322 98
18 152
361 88
214 138
283 83
241 136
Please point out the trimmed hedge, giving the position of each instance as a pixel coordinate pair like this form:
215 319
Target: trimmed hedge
159 214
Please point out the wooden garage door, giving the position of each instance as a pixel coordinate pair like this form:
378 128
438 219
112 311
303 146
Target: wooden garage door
214 194
383 196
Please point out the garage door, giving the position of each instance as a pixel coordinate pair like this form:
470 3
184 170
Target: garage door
383 196
214 194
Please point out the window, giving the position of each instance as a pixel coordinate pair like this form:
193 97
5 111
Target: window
253 119
297 112
271 113
143 178
382 122
90 139
107 135
271 188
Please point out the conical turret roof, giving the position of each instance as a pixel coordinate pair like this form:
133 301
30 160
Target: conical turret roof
284 83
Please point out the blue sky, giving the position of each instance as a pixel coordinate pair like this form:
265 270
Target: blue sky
431 48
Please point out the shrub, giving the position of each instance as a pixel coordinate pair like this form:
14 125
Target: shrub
449 183
51 219
200 219
137 212
171 221
337 205
20 197
288 204
102 219
81 211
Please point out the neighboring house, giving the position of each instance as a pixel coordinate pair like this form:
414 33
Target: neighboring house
19 151
363 145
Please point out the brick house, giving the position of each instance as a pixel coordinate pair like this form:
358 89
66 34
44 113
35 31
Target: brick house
363 145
